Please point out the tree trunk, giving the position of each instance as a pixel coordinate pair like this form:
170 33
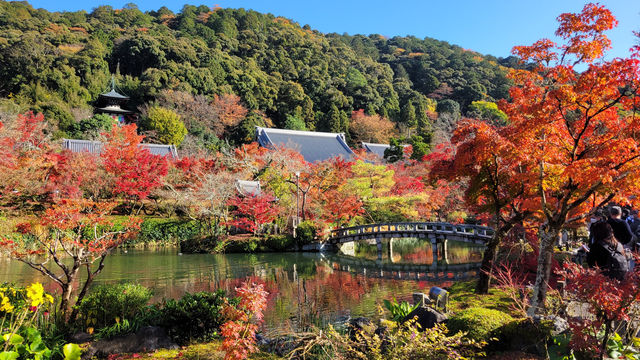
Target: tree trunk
547 237
482 286
65 301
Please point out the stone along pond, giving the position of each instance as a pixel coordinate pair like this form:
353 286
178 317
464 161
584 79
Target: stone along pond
304 288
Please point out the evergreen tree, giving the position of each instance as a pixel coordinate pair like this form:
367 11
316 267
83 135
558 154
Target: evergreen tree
409 114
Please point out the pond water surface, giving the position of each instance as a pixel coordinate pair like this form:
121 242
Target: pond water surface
304 288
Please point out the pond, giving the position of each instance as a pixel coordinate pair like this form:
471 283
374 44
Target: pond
304 288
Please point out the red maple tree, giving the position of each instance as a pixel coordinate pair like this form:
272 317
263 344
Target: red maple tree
136 171
251 212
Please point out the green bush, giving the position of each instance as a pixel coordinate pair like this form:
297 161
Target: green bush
478 322
279 242
105 303
155 230
305 233
195 317
199 245
521 334
167 125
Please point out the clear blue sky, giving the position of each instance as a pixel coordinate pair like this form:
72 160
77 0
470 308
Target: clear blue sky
487 26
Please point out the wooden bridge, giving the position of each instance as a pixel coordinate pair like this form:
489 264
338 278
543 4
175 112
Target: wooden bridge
435 232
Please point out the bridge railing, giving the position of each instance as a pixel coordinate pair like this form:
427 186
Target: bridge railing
478 231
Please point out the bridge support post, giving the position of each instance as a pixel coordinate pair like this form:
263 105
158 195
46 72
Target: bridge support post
379 245
391 250
445 251
434 248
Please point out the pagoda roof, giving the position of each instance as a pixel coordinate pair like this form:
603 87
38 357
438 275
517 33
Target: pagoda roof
114 94
95 147
111 109
313 146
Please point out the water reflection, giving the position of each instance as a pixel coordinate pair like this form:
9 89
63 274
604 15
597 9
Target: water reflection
304 288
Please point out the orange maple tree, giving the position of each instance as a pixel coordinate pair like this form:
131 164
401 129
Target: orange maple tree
574 122
73 235
487 159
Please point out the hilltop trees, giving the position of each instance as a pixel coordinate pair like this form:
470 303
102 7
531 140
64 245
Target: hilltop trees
58 63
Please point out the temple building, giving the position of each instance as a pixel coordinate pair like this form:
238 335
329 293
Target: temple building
111 103
95 147
313 146
376 149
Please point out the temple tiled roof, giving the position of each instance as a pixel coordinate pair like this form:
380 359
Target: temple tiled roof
95 147
377 149
313 146
245 187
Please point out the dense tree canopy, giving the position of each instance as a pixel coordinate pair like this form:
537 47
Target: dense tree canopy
58 63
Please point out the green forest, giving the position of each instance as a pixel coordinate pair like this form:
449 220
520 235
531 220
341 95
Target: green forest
222 71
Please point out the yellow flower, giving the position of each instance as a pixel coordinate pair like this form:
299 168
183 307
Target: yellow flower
49 298
35 293
5 305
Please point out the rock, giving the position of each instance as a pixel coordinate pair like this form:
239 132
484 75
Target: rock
426 317
358 324
421 298
560 325
262 340
81 337
148 338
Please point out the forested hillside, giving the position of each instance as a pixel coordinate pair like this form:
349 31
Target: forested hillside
195 62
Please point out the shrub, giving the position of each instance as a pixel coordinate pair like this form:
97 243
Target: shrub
305 233
477 322
390 342
195 317
107 305
167 124
154 230
521 334
279 242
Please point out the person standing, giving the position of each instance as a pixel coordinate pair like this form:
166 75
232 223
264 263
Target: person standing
621 229
606 252
622 232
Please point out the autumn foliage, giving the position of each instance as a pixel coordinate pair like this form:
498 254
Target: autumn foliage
371 128
252 211
135 170
242 321
611 301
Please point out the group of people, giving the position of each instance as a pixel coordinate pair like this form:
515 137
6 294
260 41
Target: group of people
612 239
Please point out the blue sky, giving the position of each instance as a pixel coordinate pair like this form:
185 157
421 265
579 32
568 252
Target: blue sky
488 26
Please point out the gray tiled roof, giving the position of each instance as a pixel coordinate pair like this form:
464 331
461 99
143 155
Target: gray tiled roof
377 149
245 187
313 146
95 147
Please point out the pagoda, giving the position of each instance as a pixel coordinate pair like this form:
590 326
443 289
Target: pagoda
111 103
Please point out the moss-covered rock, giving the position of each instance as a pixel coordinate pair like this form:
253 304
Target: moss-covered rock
522 334
479 323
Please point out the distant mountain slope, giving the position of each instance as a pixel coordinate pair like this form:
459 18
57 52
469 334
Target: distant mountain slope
59 62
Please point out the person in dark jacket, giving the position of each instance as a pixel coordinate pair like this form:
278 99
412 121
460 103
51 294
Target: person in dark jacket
606 252
621 229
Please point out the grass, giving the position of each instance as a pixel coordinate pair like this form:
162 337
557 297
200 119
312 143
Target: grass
205 351
462 295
